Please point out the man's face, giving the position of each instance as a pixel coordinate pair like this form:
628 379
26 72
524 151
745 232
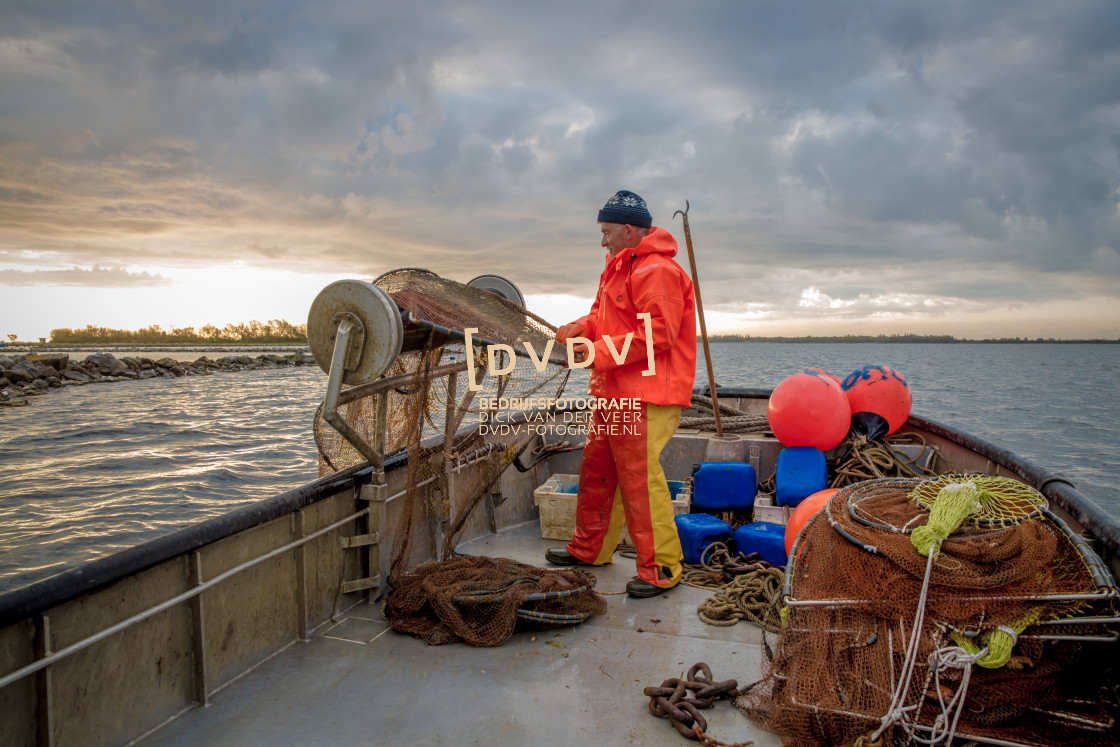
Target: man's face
616 237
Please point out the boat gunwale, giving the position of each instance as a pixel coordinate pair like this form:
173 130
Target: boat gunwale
92 575
1081 507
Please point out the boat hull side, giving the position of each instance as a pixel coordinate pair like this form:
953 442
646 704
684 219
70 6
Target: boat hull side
117 689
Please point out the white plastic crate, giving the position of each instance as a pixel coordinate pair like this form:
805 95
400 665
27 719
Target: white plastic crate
765 510
556 499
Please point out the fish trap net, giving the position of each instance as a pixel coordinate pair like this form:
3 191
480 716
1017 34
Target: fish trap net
432 418
994 633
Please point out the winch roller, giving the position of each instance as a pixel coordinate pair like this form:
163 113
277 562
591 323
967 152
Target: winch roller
401 311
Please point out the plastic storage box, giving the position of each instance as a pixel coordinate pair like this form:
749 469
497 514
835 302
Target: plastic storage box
765 510
723 486
697 531
556 499
764 538
801 472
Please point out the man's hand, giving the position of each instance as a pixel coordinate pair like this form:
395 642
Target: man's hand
574 329
579 351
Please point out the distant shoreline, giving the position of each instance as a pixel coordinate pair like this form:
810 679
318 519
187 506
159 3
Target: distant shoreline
910 339
111 347
273 347
23 376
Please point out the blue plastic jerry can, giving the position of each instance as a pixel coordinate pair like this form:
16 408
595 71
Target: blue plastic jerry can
764 538
801 472
723 486
697 531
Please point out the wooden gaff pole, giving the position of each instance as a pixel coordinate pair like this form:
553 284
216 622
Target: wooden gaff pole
700 312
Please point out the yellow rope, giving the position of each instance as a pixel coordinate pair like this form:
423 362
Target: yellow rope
999 642
955 503
1003 500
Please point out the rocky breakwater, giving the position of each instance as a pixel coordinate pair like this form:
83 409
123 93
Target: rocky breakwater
24 376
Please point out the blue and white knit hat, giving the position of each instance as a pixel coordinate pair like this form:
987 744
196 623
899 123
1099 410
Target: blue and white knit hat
628 208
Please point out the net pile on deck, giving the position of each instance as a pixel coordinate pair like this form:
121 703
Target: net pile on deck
480 600
451 464
882 643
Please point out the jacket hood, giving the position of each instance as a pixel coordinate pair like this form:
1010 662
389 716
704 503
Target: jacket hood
657 241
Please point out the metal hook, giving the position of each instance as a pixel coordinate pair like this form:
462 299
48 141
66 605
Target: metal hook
682 212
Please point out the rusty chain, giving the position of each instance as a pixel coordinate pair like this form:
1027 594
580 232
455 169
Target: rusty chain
672 700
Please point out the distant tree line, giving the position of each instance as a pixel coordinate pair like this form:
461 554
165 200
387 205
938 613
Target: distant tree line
837 338
274 331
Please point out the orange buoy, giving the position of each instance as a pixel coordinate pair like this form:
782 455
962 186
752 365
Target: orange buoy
805 511
880 400
824 372
809 409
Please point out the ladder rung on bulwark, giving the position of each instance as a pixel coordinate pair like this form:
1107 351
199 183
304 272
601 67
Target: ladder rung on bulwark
361 584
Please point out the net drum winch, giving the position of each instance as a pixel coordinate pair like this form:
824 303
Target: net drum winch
356 331
396 354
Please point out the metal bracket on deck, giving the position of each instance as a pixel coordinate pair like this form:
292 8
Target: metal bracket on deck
375 492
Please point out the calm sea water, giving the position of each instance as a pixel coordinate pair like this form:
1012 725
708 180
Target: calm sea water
89 470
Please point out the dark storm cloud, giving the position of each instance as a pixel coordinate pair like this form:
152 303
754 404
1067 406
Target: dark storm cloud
924 144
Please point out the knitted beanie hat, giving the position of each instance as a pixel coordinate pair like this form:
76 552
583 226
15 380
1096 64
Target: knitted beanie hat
628 208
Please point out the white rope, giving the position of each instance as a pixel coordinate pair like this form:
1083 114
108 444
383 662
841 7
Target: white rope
896 713
538 450
942 660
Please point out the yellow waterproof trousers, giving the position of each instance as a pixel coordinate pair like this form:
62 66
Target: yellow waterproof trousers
620 479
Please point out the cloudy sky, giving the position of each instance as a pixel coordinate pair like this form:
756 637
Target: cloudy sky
852 168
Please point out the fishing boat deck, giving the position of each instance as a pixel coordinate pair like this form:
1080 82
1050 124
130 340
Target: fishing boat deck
358 682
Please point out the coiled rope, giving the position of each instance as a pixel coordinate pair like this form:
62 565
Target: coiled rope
732 420
869 460
749 597
746 588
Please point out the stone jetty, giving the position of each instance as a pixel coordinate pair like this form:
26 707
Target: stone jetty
23 376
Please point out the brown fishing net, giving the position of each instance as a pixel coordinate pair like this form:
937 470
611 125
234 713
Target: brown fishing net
478 600
855 588
455 455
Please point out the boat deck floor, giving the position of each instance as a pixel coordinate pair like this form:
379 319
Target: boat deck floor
358 682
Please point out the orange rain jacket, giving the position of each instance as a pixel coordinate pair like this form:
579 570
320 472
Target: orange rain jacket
644 279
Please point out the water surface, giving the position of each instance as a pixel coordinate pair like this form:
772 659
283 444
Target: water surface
88 470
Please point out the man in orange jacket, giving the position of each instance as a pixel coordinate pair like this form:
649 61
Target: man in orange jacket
620 475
